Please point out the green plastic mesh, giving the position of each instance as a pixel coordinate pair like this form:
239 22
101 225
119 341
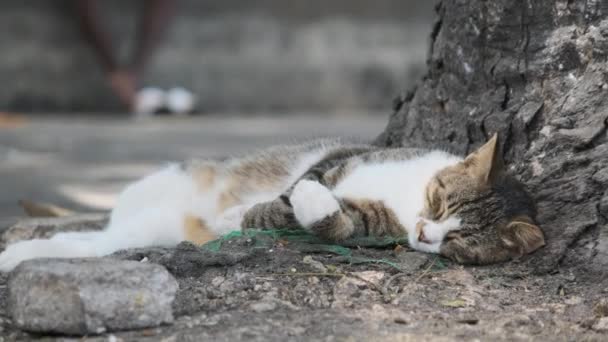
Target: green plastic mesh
307 242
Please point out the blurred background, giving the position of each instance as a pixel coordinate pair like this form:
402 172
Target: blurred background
248 74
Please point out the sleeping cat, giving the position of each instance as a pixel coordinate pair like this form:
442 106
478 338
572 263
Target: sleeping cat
467 209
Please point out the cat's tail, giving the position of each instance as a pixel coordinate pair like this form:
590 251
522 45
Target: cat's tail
149 227
43 248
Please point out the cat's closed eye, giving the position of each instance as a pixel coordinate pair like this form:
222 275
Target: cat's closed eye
435 207
445 195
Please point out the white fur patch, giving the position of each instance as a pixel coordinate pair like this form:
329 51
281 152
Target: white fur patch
312 202
400 185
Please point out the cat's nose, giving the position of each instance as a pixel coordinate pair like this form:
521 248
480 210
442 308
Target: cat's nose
420 230
422 237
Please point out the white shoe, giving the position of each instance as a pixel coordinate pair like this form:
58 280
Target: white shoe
180 101
149 100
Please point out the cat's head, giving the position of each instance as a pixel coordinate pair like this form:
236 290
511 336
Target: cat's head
496 213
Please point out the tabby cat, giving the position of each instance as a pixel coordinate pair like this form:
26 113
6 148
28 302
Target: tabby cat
468 210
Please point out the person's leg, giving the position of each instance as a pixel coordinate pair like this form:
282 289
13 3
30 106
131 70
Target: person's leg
121 80
90 24
156 17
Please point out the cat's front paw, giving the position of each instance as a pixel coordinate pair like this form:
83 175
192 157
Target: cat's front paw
312 202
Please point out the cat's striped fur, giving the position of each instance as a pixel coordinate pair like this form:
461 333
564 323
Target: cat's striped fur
466 209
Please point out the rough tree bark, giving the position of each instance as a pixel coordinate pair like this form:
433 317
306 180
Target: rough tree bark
536 72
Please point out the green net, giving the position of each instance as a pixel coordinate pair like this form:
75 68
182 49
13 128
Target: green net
309 243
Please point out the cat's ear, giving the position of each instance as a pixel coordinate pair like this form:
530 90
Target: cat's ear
486 164
526 236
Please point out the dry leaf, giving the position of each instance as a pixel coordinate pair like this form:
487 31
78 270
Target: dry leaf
398 249
454 303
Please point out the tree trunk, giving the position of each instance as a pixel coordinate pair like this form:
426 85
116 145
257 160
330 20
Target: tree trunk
535 71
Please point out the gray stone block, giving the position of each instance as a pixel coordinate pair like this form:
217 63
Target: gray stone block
90 296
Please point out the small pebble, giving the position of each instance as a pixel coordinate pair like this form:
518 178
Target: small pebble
601 324
317 265
263 306
574 300
400 320
313 280
217 281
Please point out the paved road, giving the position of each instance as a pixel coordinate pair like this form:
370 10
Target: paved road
82 164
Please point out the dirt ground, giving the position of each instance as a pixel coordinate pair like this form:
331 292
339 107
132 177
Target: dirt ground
261 289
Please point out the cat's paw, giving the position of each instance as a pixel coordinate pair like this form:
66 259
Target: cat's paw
231 219
312 202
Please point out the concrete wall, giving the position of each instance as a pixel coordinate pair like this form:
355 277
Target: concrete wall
263 55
